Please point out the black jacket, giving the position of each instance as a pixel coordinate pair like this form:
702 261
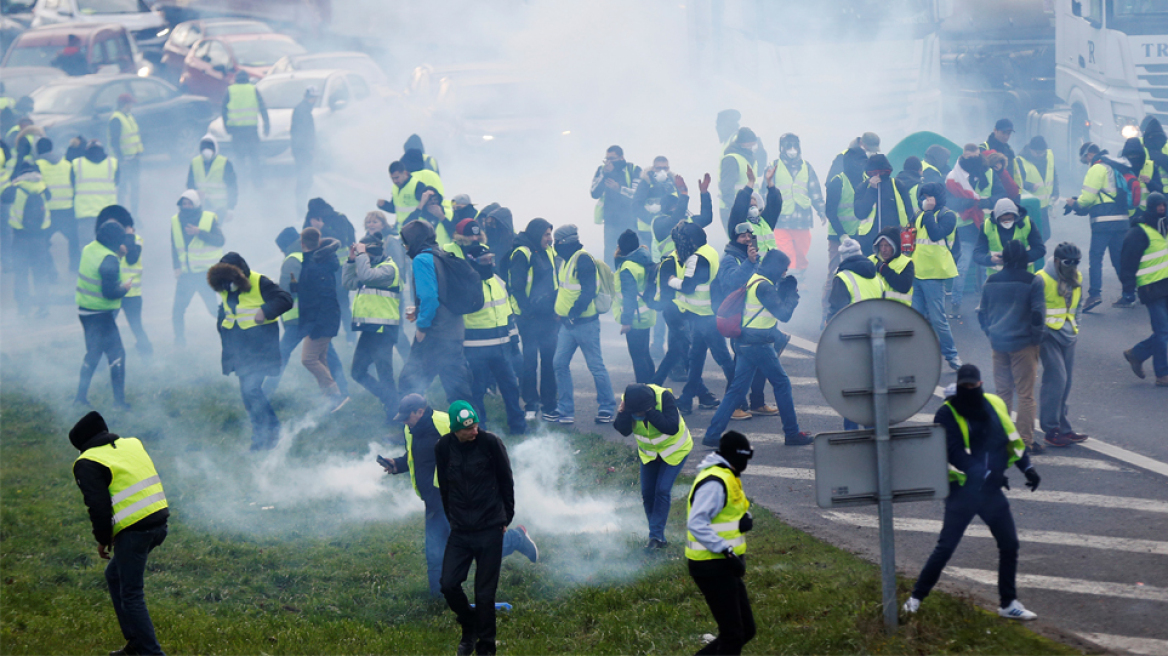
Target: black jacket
667 419
94 479
984 464
780 297
1134 245
769 214
887 214
320 309
840 296
478 491
425 438
302 133
254 350
542 300
629 290
586 274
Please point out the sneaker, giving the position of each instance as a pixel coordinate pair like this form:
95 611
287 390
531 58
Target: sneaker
1016 611
911 606
124 651
1124 303
551 416
1035 448
765 410
530 415
1091 303
338 403
1054 439
955 363
801 439
1075 438
741 415
527 547
654 544
954 312
1137 365
708 402
466 648
566 420
604 418
686 409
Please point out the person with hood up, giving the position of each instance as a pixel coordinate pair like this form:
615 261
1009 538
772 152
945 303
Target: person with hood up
129 512
771 296
414 142
717 519
432 209
1144 271
125 142
499 228
911 177
533 279
738 156
856 280
982 445
649 413
614 186
28 217
131 272
896 271
579 328
1063 287
749 207
196 244
798 186
693 287
1037 175
99 297
376 314
1154 140
998 163
55 172
739 261
1109 211
334 225
674 364
288 242
1013 316
1008 223
972 189
302 138
998 142
243 110
883 200
320 311
407 190
213 176
935 165
656 184
250 336
634 269
437 349
934 264
95 185
841 214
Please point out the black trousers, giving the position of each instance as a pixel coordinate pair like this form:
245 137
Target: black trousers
637 340
245 142
485 549
677 345
132 306
376 350
538 337
726 596
437 357
102 338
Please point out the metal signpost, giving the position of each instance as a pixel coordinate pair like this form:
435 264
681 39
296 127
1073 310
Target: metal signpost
878 362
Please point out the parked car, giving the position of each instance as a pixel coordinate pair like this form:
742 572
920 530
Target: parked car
23 80
147 28
185 34
358 62
104 47
170 122
211 65
345 101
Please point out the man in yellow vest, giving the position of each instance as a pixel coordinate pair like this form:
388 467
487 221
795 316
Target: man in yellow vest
649 413
1063 285
243 109
414 142
533 277
982 445
250 335
196 244
882 199
1144 271
27 198
839 207
934 264
125 142
717 519
856 279
762 215
376 315
1110 216
802 196
614 185
738 155
95 185
1008 223
131 272
1038 175
55 171
213 176
631 311
128 511
100 289
407 192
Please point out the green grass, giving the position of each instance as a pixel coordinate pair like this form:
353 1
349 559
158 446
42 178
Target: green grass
329 576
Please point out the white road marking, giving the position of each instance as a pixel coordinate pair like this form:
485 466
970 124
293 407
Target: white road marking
979 531
1096 500
1081 463
1061 584
780 472
1142 646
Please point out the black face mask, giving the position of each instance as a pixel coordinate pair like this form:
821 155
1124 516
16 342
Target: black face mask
737 460
969 402
190 213
618 165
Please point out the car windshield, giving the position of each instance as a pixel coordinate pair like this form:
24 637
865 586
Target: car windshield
34 55
264 52
348 63
242 27
111 6
286 94
61 99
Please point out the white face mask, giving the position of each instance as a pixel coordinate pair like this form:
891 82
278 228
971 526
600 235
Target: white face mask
207 153
653 208
661 176
792 153
1006 224
752 213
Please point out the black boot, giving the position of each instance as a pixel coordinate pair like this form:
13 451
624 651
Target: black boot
118 383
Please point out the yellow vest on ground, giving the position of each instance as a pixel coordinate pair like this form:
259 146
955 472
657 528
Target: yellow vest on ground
210 182
1058 311
699 301
652 443
56 177
569 289
1016 448
132 273
725 523
95 186
933 260
130 143
442 424
898 265
646 317
243 106
243 316
198 255
135 488
88 294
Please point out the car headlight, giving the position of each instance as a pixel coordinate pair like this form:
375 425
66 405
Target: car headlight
144 71
1130 131
1125 119
163 32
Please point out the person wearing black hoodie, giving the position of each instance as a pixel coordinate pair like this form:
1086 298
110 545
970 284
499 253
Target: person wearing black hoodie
414 142
132 272
99 297
116 473
934 263
499 226
1154 140
532 275
998 141
1143 271
699 271
883 198
250 338
334 225
839 207
935 165
636 319
320 312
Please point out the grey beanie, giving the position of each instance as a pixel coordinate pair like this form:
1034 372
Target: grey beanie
565 234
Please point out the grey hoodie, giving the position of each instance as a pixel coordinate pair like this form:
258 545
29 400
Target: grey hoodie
708 500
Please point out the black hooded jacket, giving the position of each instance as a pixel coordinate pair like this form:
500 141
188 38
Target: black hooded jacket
841 297
852 162
500 230
940 222
1135 244
541 302
881 198
667 419
254 350
320 309
780 297
475 480
336 225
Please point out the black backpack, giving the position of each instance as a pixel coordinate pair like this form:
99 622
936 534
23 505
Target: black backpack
460 289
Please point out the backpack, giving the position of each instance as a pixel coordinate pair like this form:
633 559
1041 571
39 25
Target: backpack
650 286
605 287
1127 189
729 315
34 212
460 289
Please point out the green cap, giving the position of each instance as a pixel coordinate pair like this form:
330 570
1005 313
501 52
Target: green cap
462 415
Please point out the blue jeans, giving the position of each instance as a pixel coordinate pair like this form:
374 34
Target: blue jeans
1156 346
929 300
265 425
586 337
489 363
1106 236
751 357
125 576
705 336
968 236
288 343
657 479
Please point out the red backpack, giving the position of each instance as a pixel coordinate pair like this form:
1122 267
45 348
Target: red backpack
729 315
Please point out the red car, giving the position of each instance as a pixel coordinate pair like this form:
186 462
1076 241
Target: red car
211 65
185 34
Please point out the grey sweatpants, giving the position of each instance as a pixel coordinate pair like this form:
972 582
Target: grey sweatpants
1058 364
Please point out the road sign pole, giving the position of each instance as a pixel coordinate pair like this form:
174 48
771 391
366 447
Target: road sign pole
884 471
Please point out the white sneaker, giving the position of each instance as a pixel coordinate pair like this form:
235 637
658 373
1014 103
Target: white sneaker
529 415
911 606
1016 611
707 638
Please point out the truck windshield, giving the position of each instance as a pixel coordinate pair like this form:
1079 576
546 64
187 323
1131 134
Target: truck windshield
1138 17
1125 8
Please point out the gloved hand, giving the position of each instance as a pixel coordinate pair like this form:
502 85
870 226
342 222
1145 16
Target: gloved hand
746 523
1068 208
737 564
1032 479
788 284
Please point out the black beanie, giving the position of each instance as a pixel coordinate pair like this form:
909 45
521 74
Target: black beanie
287 237
87 428
318 208
639 398
115 213
735 448
628 242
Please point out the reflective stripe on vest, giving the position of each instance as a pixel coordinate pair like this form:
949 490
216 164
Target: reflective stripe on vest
1154 261
404 199
294 313
88 294
901 211
699 301
94 186
933 260
793 189
24 190
726 522
56 178
898 264
846 212
135 489
375 305
197 256
765 320
859 287
1021 233
490 326
645 317
1058 311
1016 446
130 143
1030 175
569 289
210 182
442 425
132 273
243 106
243 314
652 443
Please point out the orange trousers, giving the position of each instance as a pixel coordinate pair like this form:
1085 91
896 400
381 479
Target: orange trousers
795 243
